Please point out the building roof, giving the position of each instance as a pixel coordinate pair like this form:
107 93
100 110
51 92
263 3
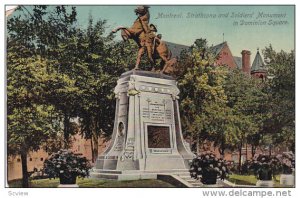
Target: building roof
217 48
258 63
238 61
176 49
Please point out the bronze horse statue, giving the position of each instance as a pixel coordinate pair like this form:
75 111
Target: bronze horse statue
144 36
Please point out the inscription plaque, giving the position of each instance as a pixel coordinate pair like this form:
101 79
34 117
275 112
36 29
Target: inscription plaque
157 110
158 136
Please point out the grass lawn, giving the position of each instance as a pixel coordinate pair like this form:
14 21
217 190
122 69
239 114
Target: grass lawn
242 179
250 180
96 183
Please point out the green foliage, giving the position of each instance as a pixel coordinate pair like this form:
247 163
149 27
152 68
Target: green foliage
30 120
280 125
247 99
205 114
66 163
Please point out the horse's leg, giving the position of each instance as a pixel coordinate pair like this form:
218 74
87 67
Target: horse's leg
117 29
126 35
163 62
169 63
150 56
139 56
166 65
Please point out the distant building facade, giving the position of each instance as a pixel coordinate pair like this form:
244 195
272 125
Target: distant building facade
35 160
225 57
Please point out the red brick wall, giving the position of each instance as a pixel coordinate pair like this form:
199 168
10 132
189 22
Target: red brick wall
246 61
226 58
36 159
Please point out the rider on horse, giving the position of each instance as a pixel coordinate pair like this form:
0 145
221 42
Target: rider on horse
145 37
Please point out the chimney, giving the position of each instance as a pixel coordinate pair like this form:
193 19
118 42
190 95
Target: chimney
246 61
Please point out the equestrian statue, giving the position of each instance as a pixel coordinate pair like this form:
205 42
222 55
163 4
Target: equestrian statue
144 34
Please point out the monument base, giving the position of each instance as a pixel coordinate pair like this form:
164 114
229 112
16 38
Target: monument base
132 175
147 137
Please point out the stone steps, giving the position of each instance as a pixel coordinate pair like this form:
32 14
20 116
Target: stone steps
97 175
120 177
106 171
173 171
193 182
185 176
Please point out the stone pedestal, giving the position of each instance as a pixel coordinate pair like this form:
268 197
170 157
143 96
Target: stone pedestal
67 186
265 183
147 136
287 179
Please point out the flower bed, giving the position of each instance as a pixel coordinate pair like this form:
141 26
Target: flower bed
67 166
208 168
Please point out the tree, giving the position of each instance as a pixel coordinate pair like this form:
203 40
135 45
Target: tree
203 103
30 122
31 79
47 28
280 125
247 99
221 105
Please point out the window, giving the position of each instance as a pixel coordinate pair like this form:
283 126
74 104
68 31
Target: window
18 160
30 159
42 159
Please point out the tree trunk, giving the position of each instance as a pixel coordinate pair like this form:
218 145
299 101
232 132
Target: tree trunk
253 149
222 148
66 131
240 157
222 151
25 183
95 149
92 150
246 151
198 146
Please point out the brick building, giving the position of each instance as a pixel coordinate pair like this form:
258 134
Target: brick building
225 57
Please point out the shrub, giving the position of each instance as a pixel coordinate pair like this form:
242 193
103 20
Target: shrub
287 162
67 165
208 168
265 167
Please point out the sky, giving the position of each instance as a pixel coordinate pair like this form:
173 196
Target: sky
184 24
